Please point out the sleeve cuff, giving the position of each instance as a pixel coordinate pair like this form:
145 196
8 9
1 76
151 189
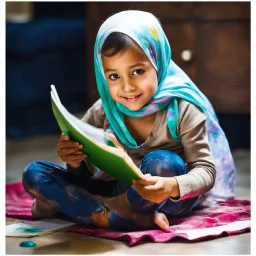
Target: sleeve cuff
184 187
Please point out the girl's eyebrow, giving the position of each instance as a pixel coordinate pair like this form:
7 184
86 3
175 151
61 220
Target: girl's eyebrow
132 66
137 64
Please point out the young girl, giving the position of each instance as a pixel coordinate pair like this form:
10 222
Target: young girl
151 109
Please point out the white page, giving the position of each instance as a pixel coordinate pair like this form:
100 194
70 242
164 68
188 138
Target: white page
89 131
55 94
97 134
35 228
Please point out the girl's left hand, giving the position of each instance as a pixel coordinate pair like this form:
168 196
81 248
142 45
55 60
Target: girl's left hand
114 140
119 150
156 189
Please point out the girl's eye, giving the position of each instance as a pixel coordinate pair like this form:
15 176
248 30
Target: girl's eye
113 77
138 72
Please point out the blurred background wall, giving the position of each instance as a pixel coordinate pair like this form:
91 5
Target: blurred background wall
45 44
52 43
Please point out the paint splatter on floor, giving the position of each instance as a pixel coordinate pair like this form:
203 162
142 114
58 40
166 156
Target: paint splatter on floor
30 230
27 244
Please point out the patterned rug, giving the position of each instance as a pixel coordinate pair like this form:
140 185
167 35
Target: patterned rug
227 218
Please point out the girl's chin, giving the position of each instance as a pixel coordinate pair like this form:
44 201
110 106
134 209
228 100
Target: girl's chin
134 107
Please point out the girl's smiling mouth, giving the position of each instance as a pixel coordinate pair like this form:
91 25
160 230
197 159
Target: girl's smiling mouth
132 98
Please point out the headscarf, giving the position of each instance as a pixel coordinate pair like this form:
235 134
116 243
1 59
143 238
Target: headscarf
173 83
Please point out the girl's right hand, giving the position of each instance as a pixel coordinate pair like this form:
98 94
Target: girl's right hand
70 151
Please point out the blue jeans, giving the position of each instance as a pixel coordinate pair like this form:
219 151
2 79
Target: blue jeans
77 198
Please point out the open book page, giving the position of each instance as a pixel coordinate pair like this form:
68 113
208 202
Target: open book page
96 134
88 130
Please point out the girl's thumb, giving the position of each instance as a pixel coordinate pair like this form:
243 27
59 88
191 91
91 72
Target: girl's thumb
113 138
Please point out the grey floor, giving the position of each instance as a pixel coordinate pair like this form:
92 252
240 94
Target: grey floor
19 153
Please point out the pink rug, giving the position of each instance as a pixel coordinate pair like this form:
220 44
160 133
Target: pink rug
227 218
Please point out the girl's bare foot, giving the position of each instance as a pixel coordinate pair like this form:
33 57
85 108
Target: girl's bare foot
41 210
161 221
100 219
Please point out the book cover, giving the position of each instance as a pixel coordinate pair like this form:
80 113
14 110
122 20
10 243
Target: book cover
100 152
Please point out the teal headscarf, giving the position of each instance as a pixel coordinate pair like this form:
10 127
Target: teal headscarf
146 31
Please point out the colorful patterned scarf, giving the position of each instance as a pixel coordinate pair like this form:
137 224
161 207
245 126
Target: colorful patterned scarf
146 31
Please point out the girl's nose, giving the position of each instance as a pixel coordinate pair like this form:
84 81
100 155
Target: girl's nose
128 86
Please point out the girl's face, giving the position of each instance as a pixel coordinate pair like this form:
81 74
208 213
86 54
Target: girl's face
131 78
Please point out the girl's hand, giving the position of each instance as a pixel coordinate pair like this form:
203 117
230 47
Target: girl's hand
161 220
119 150
69 151
114 140
156 189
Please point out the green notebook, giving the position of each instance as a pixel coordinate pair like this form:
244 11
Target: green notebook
100 151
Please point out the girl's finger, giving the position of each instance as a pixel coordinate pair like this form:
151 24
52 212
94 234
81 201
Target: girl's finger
152 188
67 151
64 137
161 221
78 152
69 144
113 138
143 182
146 180
70 158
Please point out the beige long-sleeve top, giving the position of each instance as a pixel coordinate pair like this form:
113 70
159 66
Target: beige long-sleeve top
193 148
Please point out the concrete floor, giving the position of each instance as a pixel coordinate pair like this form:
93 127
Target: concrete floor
20 153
